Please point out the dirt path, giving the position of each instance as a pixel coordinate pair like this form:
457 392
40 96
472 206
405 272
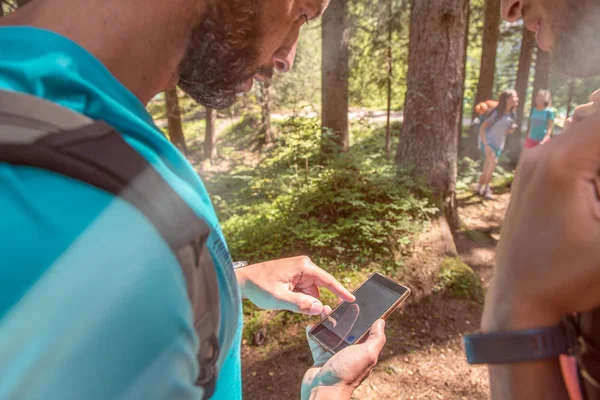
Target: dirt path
423 358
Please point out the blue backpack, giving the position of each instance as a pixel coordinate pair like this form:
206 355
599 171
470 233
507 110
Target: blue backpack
41 134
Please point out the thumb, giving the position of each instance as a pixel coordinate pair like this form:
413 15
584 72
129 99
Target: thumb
595 96
301 303
376 339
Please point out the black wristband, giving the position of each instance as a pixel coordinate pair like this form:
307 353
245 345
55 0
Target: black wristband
521 346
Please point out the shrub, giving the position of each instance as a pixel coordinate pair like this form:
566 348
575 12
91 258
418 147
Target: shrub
459 280
355 209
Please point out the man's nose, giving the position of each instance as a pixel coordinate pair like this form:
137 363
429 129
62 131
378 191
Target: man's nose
512 9
283 59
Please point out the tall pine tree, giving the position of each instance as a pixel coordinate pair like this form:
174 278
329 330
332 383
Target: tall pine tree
434 96
335 73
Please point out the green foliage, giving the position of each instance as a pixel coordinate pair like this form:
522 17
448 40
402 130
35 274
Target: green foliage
582 89
507 58
369 43
459 280
473 58
355 210
300 89
157 107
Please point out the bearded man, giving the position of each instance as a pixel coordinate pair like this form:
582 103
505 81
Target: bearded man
95 299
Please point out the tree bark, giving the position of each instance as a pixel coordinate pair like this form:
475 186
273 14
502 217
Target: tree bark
525 58
487 68
464 77
491 35
266 133
513 142
434 96
542 72
390 69
335 71
174 120
211 134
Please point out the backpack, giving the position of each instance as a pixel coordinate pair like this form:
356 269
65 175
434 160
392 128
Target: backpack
41 134
478 122
485 106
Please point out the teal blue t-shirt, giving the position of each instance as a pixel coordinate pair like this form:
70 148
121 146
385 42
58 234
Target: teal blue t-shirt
93 304
539 123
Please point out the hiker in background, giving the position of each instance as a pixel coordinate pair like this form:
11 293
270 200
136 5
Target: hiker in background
541 120
492 135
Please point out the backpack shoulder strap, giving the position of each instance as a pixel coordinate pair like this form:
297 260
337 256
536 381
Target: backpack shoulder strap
37 133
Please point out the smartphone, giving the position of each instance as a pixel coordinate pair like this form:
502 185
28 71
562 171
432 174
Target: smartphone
349 323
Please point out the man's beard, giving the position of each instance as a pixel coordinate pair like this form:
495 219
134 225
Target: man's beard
577 49
211 70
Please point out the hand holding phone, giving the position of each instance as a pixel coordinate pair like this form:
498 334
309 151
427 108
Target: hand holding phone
337 376
349 323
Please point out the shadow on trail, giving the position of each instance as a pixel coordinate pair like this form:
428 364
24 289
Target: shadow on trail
483 237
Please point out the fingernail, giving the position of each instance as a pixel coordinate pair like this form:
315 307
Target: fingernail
381 325
316 307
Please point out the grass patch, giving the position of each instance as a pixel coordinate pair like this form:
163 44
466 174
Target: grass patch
468 177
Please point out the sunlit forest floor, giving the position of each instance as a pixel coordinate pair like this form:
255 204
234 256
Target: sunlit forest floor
423 358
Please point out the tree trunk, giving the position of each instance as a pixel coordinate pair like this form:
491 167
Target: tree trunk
513 142
542 72
459 145
390 68
487 68
265 133
491 35
434 96
335 26
174 120
211 134
570 96
525 58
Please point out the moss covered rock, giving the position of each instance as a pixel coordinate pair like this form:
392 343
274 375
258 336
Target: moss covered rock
459 280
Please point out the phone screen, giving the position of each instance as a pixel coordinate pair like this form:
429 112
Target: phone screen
350 321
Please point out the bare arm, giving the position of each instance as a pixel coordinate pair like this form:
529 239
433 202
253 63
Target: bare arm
549 128
535 380
541 380
548 255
